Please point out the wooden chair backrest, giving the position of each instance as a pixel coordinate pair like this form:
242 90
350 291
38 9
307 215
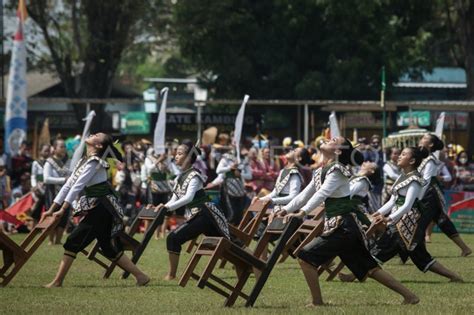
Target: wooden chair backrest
39 233
253 217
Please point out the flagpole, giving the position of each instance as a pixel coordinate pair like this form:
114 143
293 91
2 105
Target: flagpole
384 111
382 103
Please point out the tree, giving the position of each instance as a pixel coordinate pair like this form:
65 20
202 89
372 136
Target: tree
303 49
86 40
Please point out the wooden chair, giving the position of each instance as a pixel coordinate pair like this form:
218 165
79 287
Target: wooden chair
248 226
244 260
15 256
129 242
307 231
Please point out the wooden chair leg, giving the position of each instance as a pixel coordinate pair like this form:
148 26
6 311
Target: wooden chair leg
12 273
191 245
242 280
208 270
336 270
189 270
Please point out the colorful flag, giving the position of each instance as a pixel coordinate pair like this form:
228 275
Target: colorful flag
23 205
160 127
239 121
16 106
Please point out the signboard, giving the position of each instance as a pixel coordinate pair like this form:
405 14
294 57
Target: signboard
223 122
419 118
135 123
363 120
462 215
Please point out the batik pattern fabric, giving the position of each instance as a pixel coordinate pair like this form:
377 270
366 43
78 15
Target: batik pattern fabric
208 207
407 226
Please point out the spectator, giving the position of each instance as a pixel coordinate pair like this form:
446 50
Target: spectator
5 186
271 169
258 171
464 169
21 163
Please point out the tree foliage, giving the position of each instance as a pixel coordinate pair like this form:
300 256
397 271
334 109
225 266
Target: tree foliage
303 49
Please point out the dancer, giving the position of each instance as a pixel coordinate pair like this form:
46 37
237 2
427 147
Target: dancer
404 235
230 177
343 235
188 192
55 173
391 172
103 215
361 186
289 182
37 182
432 195
158 189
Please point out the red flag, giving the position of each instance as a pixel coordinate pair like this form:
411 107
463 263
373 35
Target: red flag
21 206
5 216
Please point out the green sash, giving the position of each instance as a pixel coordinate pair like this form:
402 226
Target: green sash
158 176
339 206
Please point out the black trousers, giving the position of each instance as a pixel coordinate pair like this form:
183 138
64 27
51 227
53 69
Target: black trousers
391 244
197 225
37 207
345 242
433 212
97 224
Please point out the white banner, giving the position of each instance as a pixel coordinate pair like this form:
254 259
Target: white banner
160 127
239 121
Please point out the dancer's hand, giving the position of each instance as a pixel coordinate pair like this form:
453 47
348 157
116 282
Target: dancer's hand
59 213
299 214
50 211
159 207
149 206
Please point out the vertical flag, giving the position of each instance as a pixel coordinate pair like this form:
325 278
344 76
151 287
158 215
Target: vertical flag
439 128
160 127
239 121
85 133
334 128
16 106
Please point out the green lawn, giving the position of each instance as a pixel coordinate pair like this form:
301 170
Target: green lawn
84 290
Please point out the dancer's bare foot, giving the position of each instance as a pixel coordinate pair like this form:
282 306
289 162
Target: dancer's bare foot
411 300
314 304
53 284
143 280
346 277
428 239
50 243
169 278
456 279
466 252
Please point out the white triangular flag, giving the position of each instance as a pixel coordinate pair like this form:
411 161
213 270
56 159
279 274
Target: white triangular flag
333 127
85 133
160 127
239 121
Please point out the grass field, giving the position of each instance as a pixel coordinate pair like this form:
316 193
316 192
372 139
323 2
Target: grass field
84 290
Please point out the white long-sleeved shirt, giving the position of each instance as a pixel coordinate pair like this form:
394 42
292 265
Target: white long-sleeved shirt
359 188
411 193
51 176
431 169
445 174
195 184
93 173
225 165
36 169
291 189
335 185
390 172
